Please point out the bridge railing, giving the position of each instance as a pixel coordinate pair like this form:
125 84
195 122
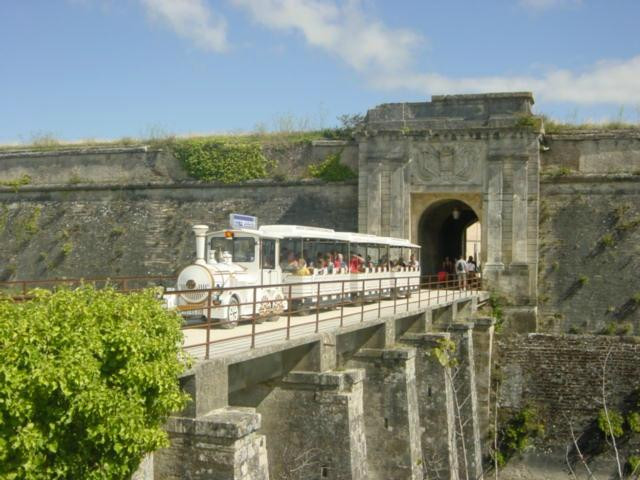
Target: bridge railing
333 303
208 332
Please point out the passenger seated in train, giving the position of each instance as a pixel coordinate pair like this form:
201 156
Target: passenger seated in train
338 262
354 264
291 264
369 263
328 259
413 263
302 268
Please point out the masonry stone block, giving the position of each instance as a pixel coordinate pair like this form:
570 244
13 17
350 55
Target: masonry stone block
222 445
483 332
313 422
391 413
436 413
465 400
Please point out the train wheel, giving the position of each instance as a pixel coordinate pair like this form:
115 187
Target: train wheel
233 314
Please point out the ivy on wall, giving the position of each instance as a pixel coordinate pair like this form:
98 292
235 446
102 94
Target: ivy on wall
332 170
212 160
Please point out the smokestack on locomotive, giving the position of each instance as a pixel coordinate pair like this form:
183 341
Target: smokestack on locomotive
201 238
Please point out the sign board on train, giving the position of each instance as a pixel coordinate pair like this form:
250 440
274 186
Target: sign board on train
243 221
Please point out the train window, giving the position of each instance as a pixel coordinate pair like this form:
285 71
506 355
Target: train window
241 249
290 252
395 256
384 256
268 253
244 249
373 255
218 245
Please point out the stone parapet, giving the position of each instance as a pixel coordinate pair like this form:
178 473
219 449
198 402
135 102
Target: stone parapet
222 445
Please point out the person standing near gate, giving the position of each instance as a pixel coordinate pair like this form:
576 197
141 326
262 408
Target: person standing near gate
461 272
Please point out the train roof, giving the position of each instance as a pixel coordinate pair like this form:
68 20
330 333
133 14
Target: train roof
300 231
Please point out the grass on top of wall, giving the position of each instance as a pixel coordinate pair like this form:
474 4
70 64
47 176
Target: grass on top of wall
555 126
51 143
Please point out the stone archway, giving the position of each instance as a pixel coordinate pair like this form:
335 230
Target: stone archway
442 232
468 148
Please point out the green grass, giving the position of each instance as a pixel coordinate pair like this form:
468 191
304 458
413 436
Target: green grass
261 138
555 126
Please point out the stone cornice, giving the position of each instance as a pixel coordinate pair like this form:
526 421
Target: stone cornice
455 134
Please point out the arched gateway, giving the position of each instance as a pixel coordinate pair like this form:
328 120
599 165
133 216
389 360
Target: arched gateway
420 161
442 233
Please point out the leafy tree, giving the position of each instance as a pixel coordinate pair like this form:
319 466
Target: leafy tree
87 378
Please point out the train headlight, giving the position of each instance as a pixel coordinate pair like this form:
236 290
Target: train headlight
198 279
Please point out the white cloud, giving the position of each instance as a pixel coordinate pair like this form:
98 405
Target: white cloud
192 19
385 56
538 5
345 31
606 82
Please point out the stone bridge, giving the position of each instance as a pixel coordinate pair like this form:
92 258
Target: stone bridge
389 395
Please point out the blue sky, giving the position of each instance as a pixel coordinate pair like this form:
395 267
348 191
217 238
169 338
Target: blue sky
104 69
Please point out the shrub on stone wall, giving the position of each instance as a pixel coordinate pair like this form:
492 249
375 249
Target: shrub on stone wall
332 170
212 160
87 378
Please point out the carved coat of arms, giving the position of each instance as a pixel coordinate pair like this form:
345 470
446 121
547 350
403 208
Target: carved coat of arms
444 164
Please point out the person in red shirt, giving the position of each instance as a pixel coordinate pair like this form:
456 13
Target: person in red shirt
354 264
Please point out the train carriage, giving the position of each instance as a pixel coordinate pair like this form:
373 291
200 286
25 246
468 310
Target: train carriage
260 273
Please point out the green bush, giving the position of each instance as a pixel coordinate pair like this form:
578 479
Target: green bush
614 425
332 170
87 378
516 435
212 160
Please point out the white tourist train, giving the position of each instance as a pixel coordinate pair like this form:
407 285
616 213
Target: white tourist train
260 273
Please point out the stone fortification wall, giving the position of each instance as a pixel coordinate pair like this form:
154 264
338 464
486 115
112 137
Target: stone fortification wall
145 164
589 254
596 152
102 230
561 375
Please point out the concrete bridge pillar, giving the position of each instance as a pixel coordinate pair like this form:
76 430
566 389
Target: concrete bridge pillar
483 351
222 445
314 424
391 406
435 406
465 400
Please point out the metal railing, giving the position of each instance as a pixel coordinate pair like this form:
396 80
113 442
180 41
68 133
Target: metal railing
19 289
371 298
334 303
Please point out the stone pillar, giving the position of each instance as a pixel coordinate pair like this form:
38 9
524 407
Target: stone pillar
465 400
399 209
374 198
222 445
493 218
208 385
483 352
435 407
520 197
363 218
391 406
314 424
